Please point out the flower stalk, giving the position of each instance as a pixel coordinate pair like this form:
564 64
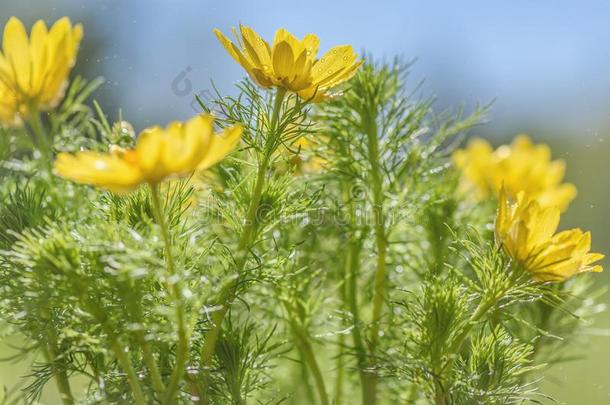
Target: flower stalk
379 283
246 242
41 138
175 289
352 274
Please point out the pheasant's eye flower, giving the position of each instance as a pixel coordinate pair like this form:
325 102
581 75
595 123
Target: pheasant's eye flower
291 63
35 69
177 150
526 232
521 166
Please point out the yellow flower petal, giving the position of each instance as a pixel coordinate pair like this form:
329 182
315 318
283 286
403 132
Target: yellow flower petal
283 61
15 46
102 170
256 47
220 146
526 232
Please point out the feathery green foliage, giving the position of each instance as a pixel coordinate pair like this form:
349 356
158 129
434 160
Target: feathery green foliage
366 275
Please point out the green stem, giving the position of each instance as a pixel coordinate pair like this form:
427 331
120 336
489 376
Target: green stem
309 396
61 377
132 377
340 372
366 377
412 394
352 272
481 310
175 289
309 358
379 283
43 143
439 394
246 242
151 363
484 306
102 318
50 351
546 313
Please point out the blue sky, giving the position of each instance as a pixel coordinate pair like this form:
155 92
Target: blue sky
545 63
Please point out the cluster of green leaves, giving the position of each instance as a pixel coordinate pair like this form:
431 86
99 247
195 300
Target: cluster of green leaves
371 276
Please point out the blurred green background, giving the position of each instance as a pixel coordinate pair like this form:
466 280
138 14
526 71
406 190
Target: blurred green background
545 64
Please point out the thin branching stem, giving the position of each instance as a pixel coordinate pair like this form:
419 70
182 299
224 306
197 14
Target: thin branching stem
151 363
245 242
352 274
132 377
61 377
440 396
340 377
51 354
115 344
340 365
175 288
379 283
310 360
485 305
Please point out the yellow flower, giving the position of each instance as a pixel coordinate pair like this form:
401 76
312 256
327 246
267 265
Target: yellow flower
177 150
34 71
521 166
526 232
305 161
291 63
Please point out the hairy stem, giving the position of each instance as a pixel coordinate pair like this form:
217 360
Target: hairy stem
175 289
246 242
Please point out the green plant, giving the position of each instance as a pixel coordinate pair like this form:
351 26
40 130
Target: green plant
370 274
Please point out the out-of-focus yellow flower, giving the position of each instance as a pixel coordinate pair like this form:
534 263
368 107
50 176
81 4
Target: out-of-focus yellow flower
177 150
305 161
291 63
520 166
8 106
34 70
526 232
